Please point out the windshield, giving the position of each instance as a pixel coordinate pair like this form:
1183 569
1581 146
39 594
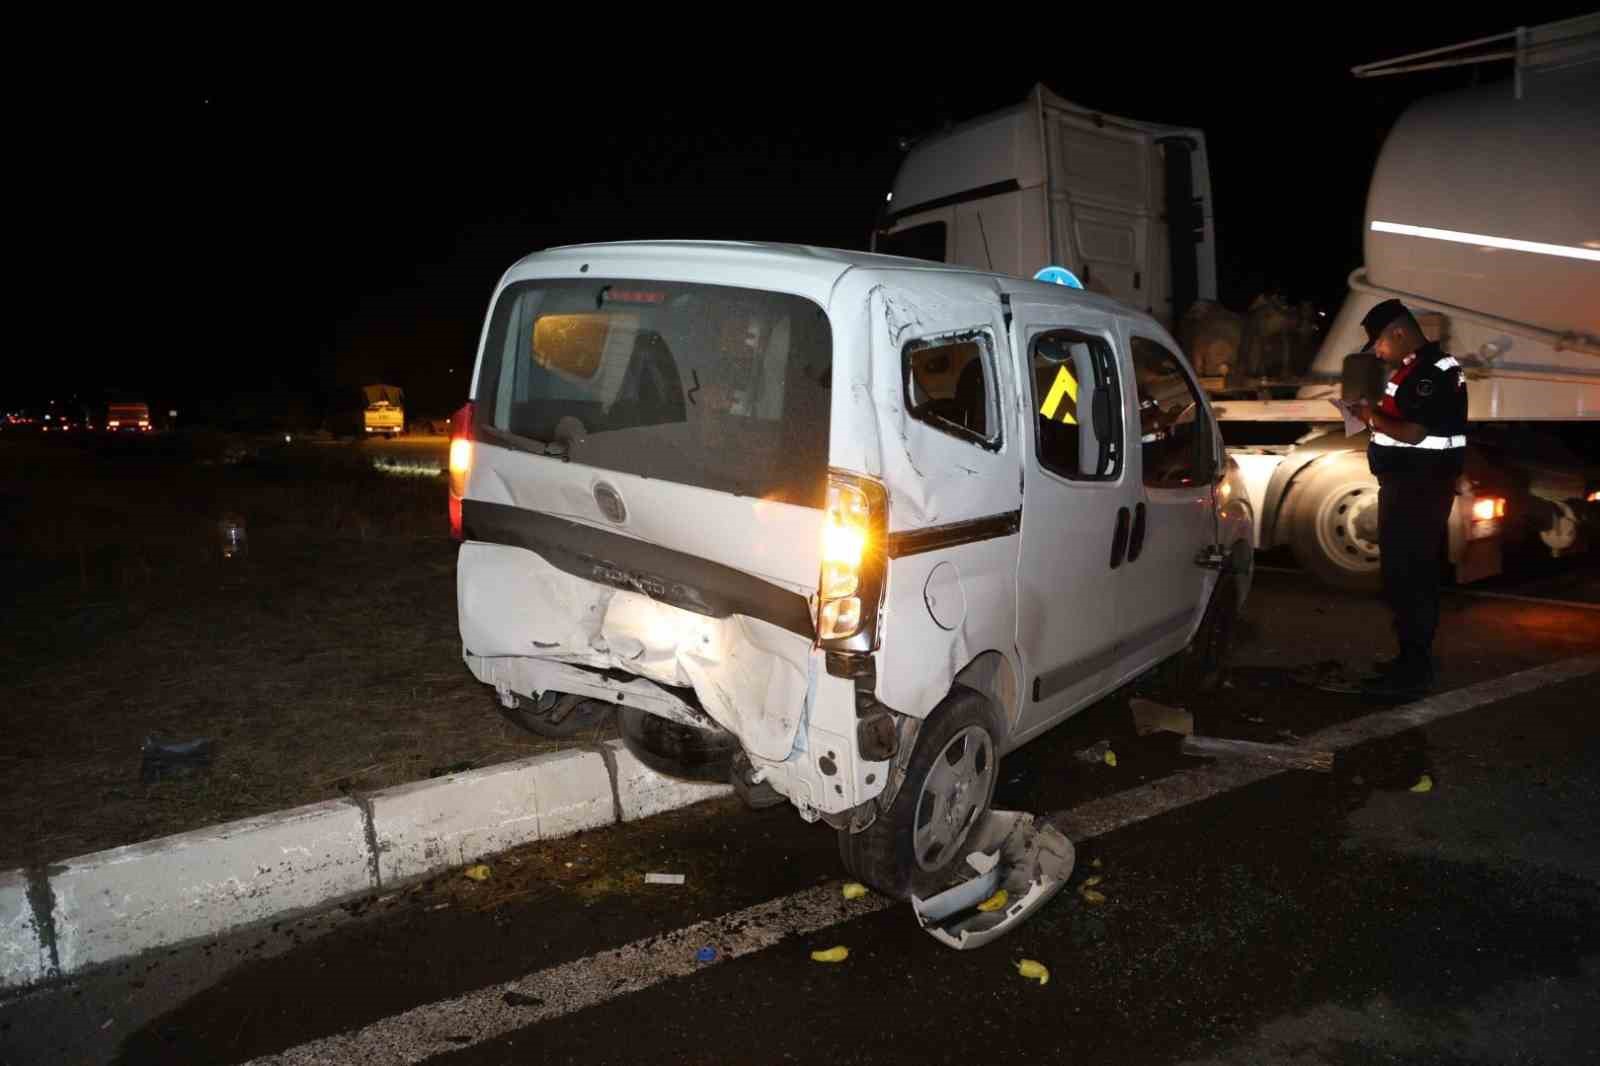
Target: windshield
714 386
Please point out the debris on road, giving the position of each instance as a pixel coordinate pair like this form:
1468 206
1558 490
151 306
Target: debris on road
1152 717
1424 784
706 955
834 954
1110 758
663 879
854 890
174 758
1034 971
1329 675
994 902
1020 862
480 872
1282 756
1095 752
518 999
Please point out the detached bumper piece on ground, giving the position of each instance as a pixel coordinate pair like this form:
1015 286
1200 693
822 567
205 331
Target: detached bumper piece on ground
1029 860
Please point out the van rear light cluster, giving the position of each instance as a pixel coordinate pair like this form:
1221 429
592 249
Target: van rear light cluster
850 588
460 464
1487 511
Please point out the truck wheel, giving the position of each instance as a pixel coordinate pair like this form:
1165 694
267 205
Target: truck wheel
565 716
916 845
1333 524
677 750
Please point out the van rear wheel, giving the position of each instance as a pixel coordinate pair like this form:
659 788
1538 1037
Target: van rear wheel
918 844
566 715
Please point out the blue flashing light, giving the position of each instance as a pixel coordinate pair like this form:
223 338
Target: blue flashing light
1059 276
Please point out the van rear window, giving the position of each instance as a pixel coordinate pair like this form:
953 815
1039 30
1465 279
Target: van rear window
714 386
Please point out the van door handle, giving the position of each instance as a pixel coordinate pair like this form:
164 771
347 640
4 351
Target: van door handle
1136 538
1119 539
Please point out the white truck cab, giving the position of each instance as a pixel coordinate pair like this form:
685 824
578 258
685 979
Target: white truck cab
874 522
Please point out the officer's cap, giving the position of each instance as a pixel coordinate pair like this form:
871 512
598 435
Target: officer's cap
1381 317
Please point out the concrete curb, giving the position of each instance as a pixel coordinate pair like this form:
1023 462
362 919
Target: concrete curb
114 904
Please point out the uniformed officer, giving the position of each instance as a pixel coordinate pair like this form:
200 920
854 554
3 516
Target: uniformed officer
1417 452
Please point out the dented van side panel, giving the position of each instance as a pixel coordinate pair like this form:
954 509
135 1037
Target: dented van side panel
954 504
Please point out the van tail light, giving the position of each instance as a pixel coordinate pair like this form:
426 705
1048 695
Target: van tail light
854 539
1487 511
460 464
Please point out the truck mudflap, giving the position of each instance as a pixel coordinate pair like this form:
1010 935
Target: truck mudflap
1030 860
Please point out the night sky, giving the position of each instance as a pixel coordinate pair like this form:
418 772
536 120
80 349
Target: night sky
286 220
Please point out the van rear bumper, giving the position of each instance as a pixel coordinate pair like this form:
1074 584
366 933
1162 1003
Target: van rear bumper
528 626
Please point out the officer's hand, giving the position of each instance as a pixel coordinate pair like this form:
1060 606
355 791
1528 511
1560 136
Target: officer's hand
1362 409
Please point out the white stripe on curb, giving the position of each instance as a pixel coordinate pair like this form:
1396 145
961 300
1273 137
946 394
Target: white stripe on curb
113 904
429 825
24 958
482 1015
126 900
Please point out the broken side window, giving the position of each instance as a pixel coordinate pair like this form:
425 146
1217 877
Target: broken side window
949 383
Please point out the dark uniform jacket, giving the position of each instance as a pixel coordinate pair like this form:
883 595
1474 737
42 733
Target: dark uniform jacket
1429 389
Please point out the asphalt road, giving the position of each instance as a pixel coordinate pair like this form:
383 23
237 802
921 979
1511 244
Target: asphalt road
1305 918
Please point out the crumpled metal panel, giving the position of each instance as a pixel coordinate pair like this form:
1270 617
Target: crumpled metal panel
751 677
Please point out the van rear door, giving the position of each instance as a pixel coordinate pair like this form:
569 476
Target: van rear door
647 490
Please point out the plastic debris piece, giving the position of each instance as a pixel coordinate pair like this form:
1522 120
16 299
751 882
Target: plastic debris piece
994 902
479 872
1034 971
1090 882
1092 896
1111 758
1031 860
1424 784
837 954
174 758
1094 752
1152 717
854 890
663 879
1097 864
706 955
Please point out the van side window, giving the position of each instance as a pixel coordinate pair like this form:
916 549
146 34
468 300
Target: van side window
1174 434
1076 405
950 386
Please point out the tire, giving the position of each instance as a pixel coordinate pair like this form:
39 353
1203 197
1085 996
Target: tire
1329 529
959 743
678 750
1203 665
567 716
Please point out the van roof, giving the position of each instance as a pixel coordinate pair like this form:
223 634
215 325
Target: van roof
798 268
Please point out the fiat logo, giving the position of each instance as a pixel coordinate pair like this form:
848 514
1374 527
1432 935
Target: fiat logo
610 504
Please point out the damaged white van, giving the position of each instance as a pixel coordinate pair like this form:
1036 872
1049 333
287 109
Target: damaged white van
866 523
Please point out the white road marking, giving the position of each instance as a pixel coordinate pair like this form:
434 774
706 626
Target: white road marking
475 1017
